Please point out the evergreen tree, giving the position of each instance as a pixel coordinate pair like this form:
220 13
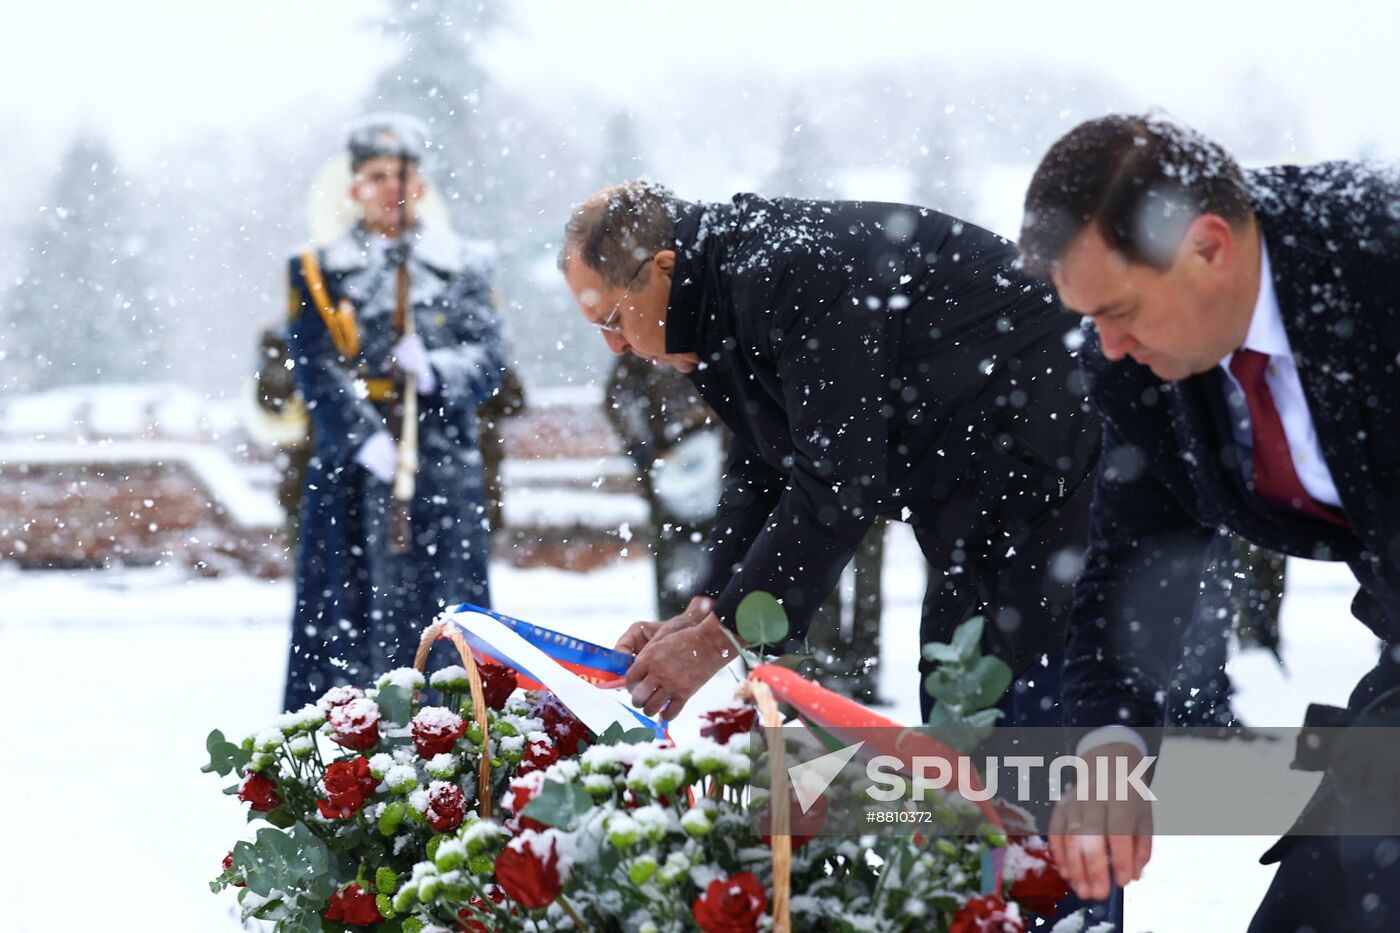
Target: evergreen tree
940 180
622 151
84 308
804 162
438 79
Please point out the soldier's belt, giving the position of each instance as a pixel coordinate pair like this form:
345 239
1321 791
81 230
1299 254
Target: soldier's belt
378 390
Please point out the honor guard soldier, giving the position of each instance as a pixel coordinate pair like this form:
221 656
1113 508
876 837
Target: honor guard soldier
395 343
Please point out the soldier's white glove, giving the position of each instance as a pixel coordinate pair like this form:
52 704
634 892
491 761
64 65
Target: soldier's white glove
411 356
379 456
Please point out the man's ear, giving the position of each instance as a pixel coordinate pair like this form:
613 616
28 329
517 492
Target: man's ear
1212 240
666 260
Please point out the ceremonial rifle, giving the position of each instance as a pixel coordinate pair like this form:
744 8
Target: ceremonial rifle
404 418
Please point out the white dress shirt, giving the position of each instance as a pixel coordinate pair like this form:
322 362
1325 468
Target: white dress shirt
1266 335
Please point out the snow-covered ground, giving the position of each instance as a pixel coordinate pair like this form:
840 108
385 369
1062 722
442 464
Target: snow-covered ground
112 679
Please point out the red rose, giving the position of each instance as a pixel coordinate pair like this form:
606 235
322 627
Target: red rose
731 905
564 727
355 724
538 756
986 914
721 724
498 682
260 792
348 785
228 866
446 808
528 878
436 730
523 790
353 907
1042 887
339 696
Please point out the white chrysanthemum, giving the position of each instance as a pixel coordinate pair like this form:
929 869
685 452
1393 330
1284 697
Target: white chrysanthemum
400 778
600 759
666 778
269 740
444 767
418 801
481 834
696 822
380 764
654 820
405 677
450 678
310 717
597 785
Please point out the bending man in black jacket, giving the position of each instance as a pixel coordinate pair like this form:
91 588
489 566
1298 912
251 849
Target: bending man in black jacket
1247 370
870 359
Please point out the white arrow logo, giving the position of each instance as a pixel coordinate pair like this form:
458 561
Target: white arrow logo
811 778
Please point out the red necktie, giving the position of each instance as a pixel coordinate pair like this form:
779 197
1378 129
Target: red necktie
1276 481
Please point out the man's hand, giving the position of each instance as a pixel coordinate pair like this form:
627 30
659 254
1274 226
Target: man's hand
675 664
1087 836
640 634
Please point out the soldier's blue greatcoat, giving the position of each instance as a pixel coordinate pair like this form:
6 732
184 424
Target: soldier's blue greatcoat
359 608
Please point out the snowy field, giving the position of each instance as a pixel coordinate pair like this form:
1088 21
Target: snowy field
113 679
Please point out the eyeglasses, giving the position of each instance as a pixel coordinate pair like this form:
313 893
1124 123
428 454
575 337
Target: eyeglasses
606 325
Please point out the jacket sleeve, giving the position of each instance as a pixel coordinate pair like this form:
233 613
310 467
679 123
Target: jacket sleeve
469 369
343 420
833 368
751 490
1135 596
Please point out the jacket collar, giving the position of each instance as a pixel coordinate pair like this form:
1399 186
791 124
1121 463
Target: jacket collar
355 249
692 308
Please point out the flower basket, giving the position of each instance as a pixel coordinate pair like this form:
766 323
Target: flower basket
613 832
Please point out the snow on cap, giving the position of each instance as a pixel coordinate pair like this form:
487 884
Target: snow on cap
387 134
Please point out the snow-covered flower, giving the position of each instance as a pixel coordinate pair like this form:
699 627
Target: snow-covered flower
666 778
404 677
696 822
451 678
269 740
444 767
622 831
400 778
380 764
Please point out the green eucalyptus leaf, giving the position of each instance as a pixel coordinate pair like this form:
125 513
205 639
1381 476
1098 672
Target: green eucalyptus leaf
761 619
987 681
967 640
944 653
395 704
559 804
224 756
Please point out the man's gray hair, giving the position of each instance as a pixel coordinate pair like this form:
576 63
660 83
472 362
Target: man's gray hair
619 228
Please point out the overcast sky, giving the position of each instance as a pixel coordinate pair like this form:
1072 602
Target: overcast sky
153 72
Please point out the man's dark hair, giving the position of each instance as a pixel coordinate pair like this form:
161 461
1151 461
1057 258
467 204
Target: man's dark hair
1141 178
619 228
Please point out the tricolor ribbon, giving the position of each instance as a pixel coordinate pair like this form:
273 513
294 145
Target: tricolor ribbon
584 676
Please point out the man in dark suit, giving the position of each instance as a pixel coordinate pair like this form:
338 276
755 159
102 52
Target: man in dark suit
1245 361
871 360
